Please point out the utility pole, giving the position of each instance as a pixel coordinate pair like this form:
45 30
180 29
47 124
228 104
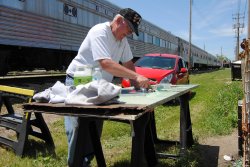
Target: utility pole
237 26
190 32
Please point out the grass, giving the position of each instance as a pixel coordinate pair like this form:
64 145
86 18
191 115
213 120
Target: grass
213 108
217 103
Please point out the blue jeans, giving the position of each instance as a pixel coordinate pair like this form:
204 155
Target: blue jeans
71 127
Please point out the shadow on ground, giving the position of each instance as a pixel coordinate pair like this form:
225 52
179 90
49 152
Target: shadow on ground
200 156
34 148
209 155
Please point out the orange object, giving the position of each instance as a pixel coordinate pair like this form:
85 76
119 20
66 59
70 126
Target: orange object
125 83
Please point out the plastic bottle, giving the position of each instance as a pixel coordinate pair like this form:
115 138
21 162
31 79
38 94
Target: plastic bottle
97 75
82 75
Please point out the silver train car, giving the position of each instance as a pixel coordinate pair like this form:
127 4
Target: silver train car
46 34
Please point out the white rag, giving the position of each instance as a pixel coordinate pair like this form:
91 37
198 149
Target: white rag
59 92
93 93
55 94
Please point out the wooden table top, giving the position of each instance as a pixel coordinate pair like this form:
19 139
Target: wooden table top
130 107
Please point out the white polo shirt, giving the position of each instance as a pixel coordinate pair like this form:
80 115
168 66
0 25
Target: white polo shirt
99 44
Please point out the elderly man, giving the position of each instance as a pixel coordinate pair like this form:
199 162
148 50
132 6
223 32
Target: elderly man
104 46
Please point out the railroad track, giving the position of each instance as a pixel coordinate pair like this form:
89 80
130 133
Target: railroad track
20 74
37 80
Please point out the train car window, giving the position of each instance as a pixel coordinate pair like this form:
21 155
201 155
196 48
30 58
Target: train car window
174 46
163 43
167 44
109 13
141 36
102 10
170 45
149 38
156 41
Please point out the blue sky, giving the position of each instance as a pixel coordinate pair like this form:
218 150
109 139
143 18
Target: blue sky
212 20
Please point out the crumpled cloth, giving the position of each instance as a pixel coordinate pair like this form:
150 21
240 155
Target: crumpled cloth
43 97
55 94
93 93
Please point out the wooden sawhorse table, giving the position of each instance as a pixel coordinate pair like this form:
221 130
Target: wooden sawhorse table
137 116
132 109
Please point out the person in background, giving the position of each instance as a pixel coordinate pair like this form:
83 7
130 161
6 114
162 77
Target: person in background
104 46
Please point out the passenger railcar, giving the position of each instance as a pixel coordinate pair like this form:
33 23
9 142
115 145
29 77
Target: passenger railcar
47 34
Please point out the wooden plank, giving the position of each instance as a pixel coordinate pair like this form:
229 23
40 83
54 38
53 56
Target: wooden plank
16 90
113 112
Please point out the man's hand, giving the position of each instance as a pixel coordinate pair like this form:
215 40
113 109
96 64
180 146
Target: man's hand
142 81
125 71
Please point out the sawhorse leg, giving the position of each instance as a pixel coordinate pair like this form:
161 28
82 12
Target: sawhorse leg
25 130
45 133
186 135
142 143
150 152
154 132
81 141
160 141
142 138
23 137
96 143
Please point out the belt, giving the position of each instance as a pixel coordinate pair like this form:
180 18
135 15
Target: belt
69 76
